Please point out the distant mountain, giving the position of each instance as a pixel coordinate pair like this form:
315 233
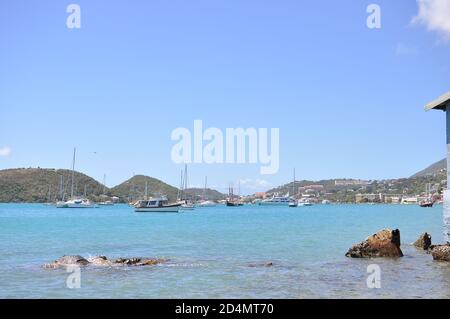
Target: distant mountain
210 194
43 185
134 188
433 169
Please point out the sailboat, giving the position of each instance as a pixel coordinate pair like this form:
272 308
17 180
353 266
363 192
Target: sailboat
428 202
107 202
232 201
187 205
75 202
293 202
205 202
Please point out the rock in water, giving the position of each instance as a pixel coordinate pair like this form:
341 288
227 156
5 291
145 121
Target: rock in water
139 261
385 243
441 252
68 261
424 241
100 261
103 261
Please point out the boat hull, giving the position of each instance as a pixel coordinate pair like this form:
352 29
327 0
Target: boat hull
273 204
74 206
175 208
158 210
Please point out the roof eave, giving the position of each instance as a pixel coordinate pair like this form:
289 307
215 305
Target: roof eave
440 103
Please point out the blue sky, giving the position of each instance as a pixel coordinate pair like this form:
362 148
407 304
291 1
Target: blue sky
348 100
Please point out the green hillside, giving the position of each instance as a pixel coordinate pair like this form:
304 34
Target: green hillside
210 194
134 188
43 185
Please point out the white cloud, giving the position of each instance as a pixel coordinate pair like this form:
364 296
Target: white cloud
435 15
5 151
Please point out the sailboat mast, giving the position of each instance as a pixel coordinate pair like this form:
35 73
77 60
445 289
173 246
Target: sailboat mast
61 187
293 185
146 190
73 170
180 191
185 181
204 189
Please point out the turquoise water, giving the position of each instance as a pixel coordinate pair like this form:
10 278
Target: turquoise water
211 250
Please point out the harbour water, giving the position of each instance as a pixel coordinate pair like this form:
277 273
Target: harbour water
218 252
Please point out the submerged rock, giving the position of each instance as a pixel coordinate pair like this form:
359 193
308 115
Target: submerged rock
424 242
103 261
441 252
65 261
385 243
266 264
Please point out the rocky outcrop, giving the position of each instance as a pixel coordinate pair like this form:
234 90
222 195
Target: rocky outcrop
440 252
102 261
424 242
65 261
385 243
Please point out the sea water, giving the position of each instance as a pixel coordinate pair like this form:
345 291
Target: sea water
218 252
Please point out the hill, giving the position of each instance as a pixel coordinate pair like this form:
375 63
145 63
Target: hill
346 190
433 169
43 185
134 188
210 194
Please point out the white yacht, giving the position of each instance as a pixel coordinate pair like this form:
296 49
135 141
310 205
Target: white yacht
276 201
304 203
293 203
157 205
185 203
187 206
204 202
76 203
207 203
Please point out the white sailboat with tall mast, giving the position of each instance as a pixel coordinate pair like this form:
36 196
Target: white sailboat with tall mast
106 202
205 202
187 205
75 202
293 202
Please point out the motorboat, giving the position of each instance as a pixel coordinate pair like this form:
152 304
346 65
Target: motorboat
157 205
276 201
187 206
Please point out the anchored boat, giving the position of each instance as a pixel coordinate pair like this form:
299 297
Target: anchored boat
157 205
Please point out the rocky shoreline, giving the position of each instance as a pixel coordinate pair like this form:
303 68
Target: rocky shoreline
386 244
383 244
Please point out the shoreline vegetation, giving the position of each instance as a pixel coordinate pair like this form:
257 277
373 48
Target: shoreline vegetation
41 185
